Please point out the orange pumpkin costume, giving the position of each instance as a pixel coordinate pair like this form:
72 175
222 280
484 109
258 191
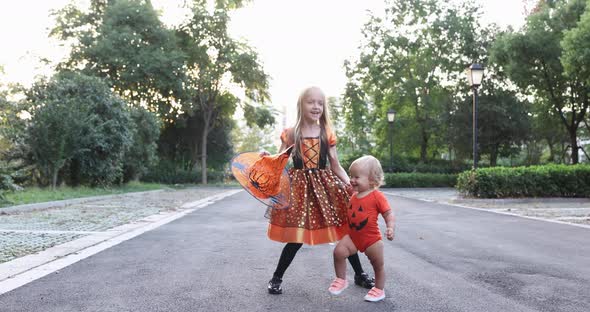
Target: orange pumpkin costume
318 200
362 217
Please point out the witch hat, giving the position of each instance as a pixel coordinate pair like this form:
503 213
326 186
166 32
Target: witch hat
264 177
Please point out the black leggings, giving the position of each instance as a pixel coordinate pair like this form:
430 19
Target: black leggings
290 250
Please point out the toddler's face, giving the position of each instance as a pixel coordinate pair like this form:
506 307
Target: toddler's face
359 179
313 105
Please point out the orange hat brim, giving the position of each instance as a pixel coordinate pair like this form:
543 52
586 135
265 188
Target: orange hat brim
264 177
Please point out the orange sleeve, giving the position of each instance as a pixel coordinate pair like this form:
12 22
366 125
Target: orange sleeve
331 138
382 203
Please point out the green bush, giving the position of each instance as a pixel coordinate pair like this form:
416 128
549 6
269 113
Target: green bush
405 164
167 172
77 123
420 180
142 153
7 184
534 181
411 164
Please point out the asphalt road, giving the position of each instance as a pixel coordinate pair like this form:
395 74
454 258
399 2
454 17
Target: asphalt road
218 258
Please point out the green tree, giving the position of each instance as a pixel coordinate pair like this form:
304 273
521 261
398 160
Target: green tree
76 120
125 42
51 140
213 59
142 153
531 59
14 153
254 139
179 143
357 112
11 123
504 123
5 111
410 61
576 56
180 74
547 127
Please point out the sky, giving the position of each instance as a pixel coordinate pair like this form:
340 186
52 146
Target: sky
301 43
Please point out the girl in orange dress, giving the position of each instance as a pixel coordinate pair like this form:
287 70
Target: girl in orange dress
319 198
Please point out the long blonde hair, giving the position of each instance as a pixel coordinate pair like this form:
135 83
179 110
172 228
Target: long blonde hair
325 123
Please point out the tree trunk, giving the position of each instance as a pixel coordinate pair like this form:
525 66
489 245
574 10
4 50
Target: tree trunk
494 156
193 127
551 151
564 148
423 146
54 177
451 154
75 179
574 144
195 156
204 151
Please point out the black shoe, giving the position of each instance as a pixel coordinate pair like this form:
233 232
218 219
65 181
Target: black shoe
274 286
364 280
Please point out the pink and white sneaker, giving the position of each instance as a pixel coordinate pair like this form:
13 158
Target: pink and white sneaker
337 286
375 294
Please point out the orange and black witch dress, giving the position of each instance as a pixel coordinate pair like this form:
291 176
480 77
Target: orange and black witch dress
318 200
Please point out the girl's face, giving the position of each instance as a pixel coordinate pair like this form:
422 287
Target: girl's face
313 105
359 179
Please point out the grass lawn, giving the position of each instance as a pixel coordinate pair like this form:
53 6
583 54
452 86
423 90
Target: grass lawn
39 195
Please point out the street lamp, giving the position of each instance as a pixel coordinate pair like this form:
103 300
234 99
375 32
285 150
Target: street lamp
390 119
474 77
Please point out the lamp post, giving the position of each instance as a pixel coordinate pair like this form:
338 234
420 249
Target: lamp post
474 77
390 119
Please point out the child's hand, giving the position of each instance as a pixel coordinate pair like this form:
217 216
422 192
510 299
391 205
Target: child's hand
264 153
349 189
390 233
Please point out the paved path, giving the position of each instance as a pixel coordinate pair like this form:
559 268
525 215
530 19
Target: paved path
218 258
24 231
568 210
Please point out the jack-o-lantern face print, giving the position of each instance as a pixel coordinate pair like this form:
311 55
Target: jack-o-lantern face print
355 218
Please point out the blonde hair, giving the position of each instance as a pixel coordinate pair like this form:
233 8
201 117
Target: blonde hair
325 123
373 167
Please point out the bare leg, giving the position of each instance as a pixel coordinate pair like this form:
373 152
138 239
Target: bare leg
375 254
344 249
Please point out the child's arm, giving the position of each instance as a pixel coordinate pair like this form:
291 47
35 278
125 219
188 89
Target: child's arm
336 167
390 223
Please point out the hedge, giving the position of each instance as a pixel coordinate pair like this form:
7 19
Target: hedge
420 180
534 181
169 175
